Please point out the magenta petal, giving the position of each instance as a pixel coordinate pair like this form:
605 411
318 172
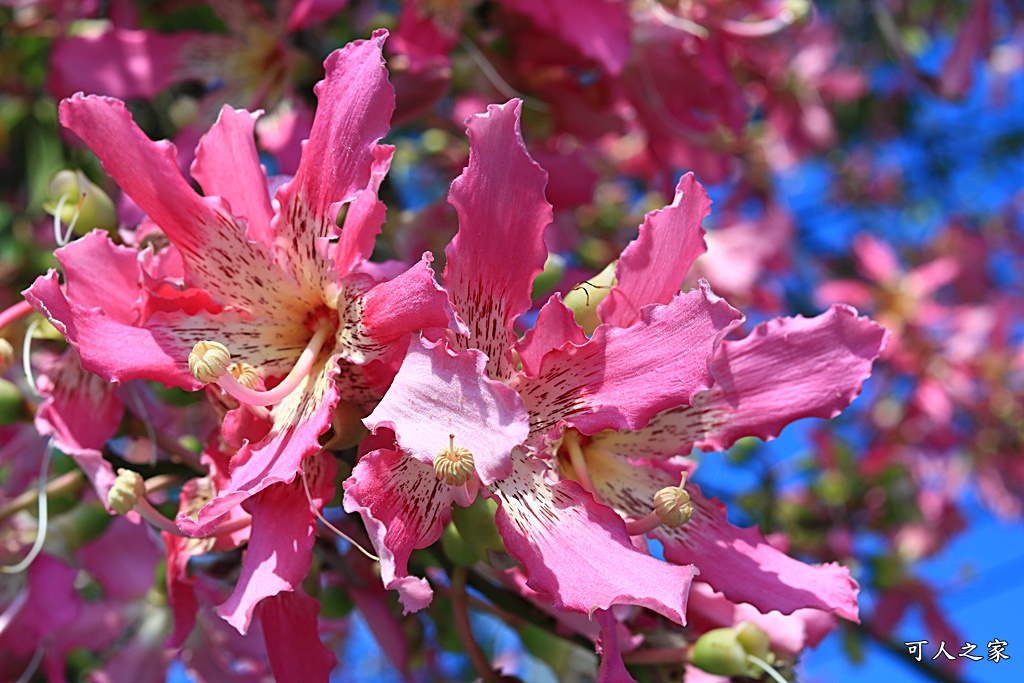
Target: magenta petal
280 549
355 105
621 378
242 182
121 62
366 215
401 501
741 564
555 326
577 551
437 393
499 248
290 631
218 257
118 291
122 560
411 302
81 412
47 603
651 269
786 369
612 669
599 29
299 421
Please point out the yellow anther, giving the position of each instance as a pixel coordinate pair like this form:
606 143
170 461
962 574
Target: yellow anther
208 361
672 505
454 465
127 489
6 355
245 374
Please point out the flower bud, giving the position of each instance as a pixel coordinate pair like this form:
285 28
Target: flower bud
584 298
96 210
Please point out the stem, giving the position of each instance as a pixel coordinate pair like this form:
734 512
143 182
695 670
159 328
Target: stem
15 312
461 615
656 656
153 516
767 668
70 482
37 545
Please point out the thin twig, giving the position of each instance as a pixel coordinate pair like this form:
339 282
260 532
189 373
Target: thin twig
460 613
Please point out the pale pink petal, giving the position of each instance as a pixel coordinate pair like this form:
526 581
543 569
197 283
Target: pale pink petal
651 269
785 370
355 105
280 549
122 63
212 242
411 302
599 29
438 392
789 633
875 259
737 562
283 132
924 280
227 165
853 292
577 552
290 631
499 248
555 326
299 420
401 501
621 378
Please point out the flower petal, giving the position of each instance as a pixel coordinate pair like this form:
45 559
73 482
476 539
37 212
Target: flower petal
364 218
621 377
120 62
786 369
599 30
299 420
280 549
499 248
438 392
555 326
411 302
227 165
577 551
292 637
355 105
401 502
612 669
737 562
218 257
651 269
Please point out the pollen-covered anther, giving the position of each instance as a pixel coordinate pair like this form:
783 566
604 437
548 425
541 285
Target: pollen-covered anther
454 465
672 505
245 374
127 489
208 361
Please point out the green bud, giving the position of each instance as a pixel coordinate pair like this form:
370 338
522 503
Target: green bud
755 641
476 526
97 209
584 298
719 652
554 268
457 550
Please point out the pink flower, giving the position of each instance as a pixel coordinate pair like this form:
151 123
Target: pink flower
278 284
657 365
